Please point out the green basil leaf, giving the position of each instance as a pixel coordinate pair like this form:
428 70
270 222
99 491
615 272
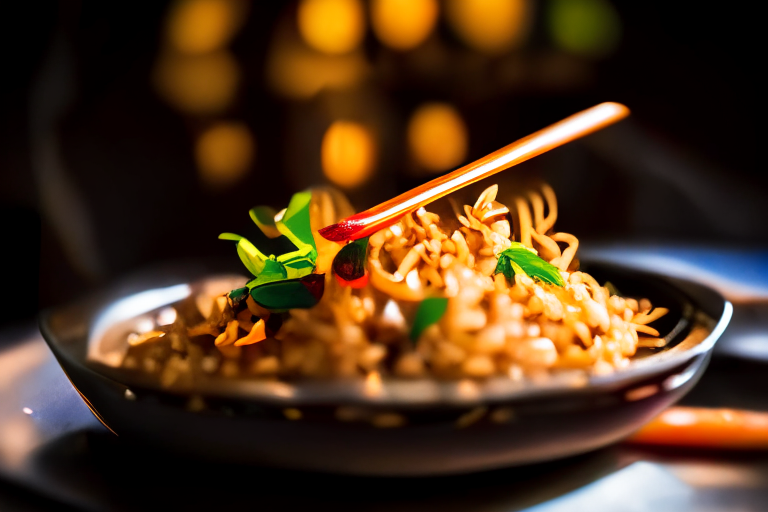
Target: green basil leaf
518 258
272 271
251 257
295 224
430 311
290 294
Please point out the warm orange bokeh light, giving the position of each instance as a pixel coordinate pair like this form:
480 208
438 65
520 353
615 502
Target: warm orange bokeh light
331 26
199 84
224 154
202 26
437 137
491 26
348 154
403 24
301 73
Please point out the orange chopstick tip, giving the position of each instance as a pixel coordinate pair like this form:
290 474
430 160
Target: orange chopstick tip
619 110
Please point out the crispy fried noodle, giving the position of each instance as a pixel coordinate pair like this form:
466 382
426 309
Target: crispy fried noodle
481 322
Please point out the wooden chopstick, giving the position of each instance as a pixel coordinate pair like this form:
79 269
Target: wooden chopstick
387 213
699 427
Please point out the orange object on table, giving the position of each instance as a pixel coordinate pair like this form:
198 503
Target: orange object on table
699 427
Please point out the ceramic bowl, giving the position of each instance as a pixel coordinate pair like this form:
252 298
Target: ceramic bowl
444 427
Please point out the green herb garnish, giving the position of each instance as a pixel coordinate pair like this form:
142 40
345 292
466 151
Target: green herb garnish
430 312
289 268
349 263
519 259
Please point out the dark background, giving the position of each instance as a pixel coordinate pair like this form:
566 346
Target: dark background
86 140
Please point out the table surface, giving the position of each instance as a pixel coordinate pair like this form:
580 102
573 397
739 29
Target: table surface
54 454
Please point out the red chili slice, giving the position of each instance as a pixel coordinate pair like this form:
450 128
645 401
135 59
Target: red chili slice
360 282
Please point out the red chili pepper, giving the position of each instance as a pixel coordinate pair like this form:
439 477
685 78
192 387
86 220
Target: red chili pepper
360 282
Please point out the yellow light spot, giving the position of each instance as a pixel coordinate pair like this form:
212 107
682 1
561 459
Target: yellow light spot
292 414
348 152
296 70
437 137
201 26
586 27
491 26
301 74
373 384
224 154
331 26
403 24
199 84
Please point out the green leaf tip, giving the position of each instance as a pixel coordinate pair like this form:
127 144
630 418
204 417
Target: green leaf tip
519 259
430 311
295 223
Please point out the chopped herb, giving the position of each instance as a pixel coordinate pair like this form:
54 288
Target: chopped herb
290 294
430 311
349 263
519 259
292 267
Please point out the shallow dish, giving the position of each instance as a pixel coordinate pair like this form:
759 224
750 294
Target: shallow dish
435 427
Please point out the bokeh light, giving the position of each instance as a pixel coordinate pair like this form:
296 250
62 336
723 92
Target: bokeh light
202 26
224 154
331 26
491 26
591 28
299 73
197 84
403 24
437 137
348 154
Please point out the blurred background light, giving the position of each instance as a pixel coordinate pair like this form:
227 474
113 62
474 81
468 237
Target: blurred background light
299 73
197 84
348 154
437 137
403 24
331 26
224 154
202 26
490 26
591 28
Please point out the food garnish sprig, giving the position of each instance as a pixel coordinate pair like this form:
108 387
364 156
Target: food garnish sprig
286 281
